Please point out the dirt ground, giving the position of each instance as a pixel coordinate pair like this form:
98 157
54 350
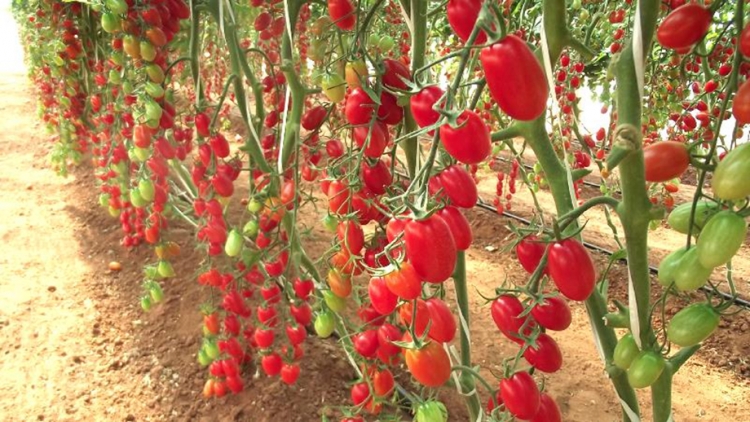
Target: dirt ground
78 347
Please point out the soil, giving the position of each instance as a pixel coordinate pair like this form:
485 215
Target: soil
79 348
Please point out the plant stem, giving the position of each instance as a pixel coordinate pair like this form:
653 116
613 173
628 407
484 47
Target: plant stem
462 298
418 14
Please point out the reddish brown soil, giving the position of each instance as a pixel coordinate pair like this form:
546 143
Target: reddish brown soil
78 348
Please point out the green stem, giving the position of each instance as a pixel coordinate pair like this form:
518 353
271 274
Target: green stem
418 13
462 298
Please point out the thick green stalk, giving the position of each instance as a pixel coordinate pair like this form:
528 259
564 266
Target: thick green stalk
194 45
536 135
292 131
418 13
468 385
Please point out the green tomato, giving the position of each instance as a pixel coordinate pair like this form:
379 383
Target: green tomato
693 324
386 43
212 349
431 411
153 111
334 303
148 52
110 22
645 369
140 154
721 238
250 229
154 90
155 73
203 358
731 179
679 218
233 245
156 293
114 77
104 199
151 272
324 324
116 6
373 40
254 206
127 87
625 352
584 15
330 223
334 87
165 269
146 303
690 274
668 266
146 188
136 199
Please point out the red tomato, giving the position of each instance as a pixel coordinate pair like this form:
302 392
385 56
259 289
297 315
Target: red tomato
442 324
406 316
462 17
552 314
430 248
366 343
395 73
468 142
745 41
334 148
505 312
338 197
389 111
383 383
359 106
422 105
376 177
430 365
529 252
548 410
515 78
378 138
665 160
342 13
741 104
387 333
459 226
546 356
289 373
684 26
351 236
572 269
313 118
383 300
520 395
458 186
404 282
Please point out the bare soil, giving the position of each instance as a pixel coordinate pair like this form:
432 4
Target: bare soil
78 347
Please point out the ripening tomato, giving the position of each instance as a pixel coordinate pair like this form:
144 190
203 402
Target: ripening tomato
422 104
731 179
548 410
359 107
665 160
396 74
341 284
430 248
721 238
572 269
342 13
383 383
693 324
684 26
429 365
546 356
520 395
515 78
553 313
468 142
404 282
645 369
462 17
406 315
459 226
530 252
458 185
